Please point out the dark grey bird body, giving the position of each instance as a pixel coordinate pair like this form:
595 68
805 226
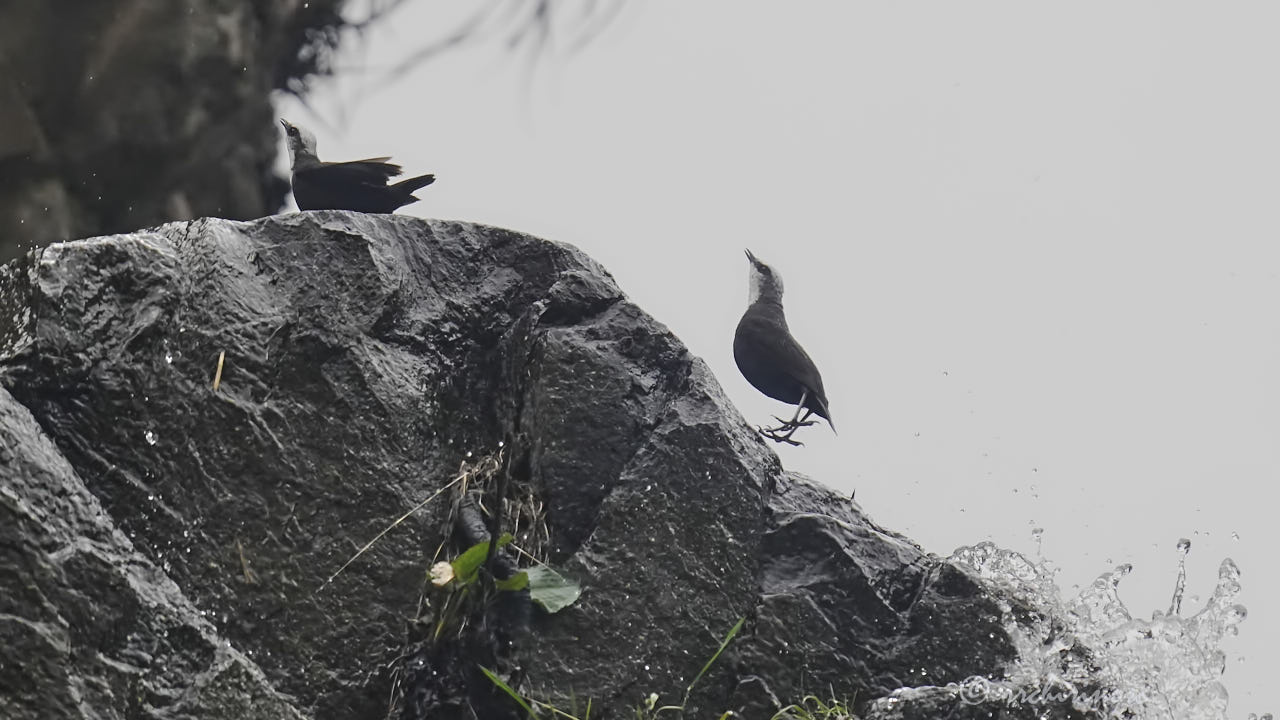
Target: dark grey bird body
768 356
774 363
359 185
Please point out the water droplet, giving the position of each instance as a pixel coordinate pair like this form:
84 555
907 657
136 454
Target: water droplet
150 437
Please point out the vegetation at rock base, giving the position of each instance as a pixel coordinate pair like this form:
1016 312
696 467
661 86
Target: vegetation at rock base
647 710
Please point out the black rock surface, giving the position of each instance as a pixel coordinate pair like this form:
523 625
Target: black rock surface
88 622
366 358
116 114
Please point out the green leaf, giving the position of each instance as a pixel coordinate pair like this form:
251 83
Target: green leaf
468 563
503 686
723 644
515 583
551 590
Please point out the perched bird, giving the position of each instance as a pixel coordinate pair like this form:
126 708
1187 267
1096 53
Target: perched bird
771 360
359 185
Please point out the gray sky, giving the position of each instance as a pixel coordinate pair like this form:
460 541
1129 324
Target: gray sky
1031 247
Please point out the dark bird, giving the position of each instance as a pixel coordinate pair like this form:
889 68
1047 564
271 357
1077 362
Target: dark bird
772 361
359 185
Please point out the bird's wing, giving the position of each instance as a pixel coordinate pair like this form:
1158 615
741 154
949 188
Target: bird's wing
373 171
380 161
782 351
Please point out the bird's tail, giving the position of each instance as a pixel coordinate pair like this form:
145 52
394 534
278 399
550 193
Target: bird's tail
826 415
413 183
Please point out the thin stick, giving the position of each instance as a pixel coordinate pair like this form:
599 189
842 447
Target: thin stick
217 376
244 563
522 552
391 527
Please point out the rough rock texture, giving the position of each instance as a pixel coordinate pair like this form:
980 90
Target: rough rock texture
116 114
88 626
366 357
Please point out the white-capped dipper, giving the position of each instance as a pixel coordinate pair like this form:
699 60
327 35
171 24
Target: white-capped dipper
772 361
359 185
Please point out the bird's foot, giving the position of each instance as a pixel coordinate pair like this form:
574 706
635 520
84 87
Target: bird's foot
783 433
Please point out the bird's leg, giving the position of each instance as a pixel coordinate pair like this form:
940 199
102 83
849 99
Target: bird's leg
783 432
796 420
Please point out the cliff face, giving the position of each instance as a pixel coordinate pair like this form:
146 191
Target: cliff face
89 622
117 114
173 542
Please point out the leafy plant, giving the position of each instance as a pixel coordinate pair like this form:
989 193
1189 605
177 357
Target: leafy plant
814 708
466 568
648 710
550 589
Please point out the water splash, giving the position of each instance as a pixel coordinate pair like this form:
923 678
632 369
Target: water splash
1091 653
1175 605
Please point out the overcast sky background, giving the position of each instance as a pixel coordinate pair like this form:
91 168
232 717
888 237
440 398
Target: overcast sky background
1032 247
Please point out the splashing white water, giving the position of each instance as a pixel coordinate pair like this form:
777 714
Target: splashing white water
1091 653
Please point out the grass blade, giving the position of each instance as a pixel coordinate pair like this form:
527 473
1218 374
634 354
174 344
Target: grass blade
507 689
723 644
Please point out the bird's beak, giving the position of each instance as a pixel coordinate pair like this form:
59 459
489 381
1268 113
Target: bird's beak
285 123
752 258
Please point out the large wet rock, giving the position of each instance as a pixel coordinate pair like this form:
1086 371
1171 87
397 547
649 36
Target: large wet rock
365 359
116 114
88 626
